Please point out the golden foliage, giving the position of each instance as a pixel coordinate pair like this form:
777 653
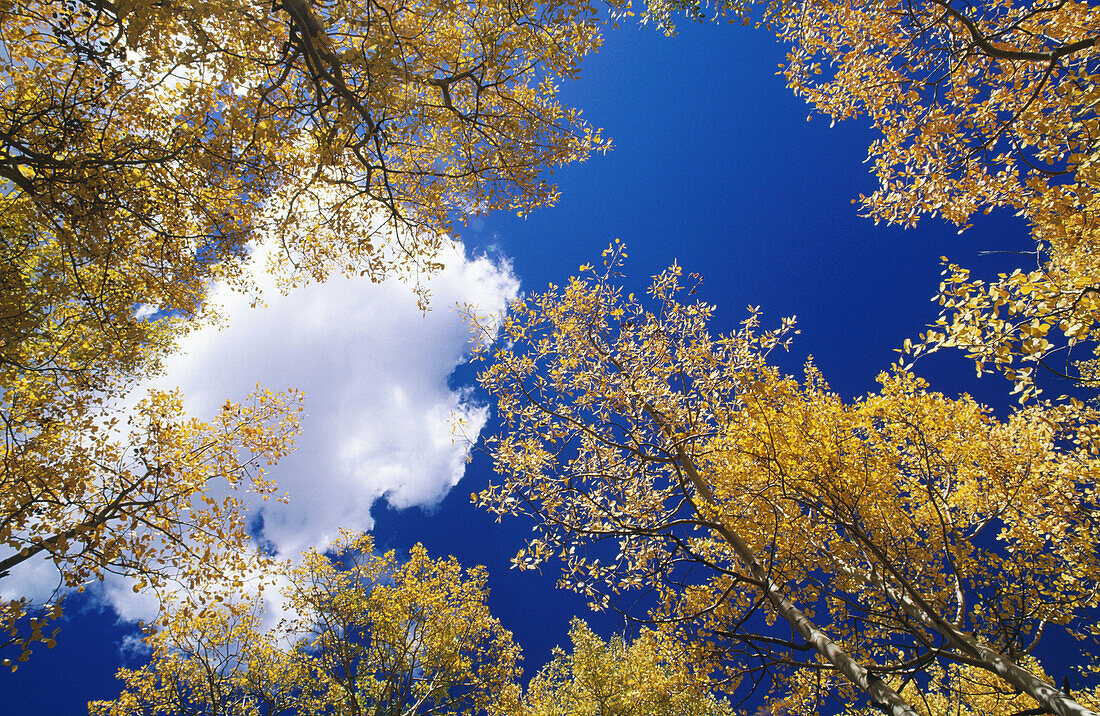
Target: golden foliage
157 505
86 484
145 147
175 135
1047 317
366 634
914 529
976 106
974 692
614 678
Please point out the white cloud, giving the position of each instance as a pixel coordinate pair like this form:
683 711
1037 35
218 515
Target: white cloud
374 372
377 423
36 579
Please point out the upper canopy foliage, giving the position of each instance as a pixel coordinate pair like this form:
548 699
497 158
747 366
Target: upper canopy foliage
365 634
144 146
912 544
978 104
617 678
178 133
154 500
890 534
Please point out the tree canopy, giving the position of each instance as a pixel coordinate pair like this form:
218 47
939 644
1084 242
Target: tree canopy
905 550
976 106
145 149
365 634
885 536
146 507
617 678
176 135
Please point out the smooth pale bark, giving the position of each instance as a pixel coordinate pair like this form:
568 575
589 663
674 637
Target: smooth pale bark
1049 697
977 654
879 691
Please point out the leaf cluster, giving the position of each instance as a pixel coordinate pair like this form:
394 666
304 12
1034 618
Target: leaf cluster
364 634
913 529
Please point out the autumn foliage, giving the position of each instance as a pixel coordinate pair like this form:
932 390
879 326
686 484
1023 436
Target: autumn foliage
618 678
976 106
145 148
905 550
160 506
790 540
366 634
178 134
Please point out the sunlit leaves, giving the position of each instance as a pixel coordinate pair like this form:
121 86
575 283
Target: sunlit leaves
146 148
155 501
914 528
364 634
179 134
976 106
616 678
968 691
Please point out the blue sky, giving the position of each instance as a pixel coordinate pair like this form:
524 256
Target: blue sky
716 166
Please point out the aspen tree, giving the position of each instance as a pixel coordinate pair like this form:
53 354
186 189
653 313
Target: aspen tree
789 539
365 634
145 147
